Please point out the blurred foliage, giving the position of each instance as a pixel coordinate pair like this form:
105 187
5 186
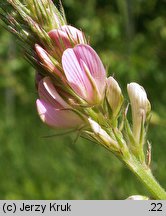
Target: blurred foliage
130 37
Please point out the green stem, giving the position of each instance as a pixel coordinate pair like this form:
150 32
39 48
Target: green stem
143 172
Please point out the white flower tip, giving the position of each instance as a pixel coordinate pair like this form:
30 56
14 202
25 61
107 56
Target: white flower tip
94 125
113 84
114 95
140 107
138 96
136 88
102 134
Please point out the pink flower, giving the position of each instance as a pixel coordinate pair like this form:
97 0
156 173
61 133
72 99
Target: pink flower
66 37
52 109
85 73
82 69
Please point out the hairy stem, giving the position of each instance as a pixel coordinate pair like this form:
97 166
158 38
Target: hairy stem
144 173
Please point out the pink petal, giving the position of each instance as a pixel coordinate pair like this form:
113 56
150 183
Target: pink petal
46 61
61 39
48 93
66 37
93 62
74 33
76 77
76 62
43 55
55 117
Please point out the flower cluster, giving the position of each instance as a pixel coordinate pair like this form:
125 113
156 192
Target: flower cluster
73 88
80 72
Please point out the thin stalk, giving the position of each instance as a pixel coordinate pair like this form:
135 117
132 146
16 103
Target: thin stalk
144 174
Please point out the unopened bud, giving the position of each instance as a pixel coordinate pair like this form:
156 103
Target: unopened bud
46 14
140 106
101 135
45 60
114 96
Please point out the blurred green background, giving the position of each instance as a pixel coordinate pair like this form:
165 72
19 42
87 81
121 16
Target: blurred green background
130 37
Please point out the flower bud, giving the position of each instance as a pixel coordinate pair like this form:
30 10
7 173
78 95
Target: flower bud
65 37
45 13
101 135
140 106
46 61
114 96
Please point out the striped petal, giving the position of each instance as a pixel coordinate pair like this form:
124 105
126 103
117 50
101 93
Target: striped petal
76 35
48 93
55 117
53 110
85 72
65 37
60 39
